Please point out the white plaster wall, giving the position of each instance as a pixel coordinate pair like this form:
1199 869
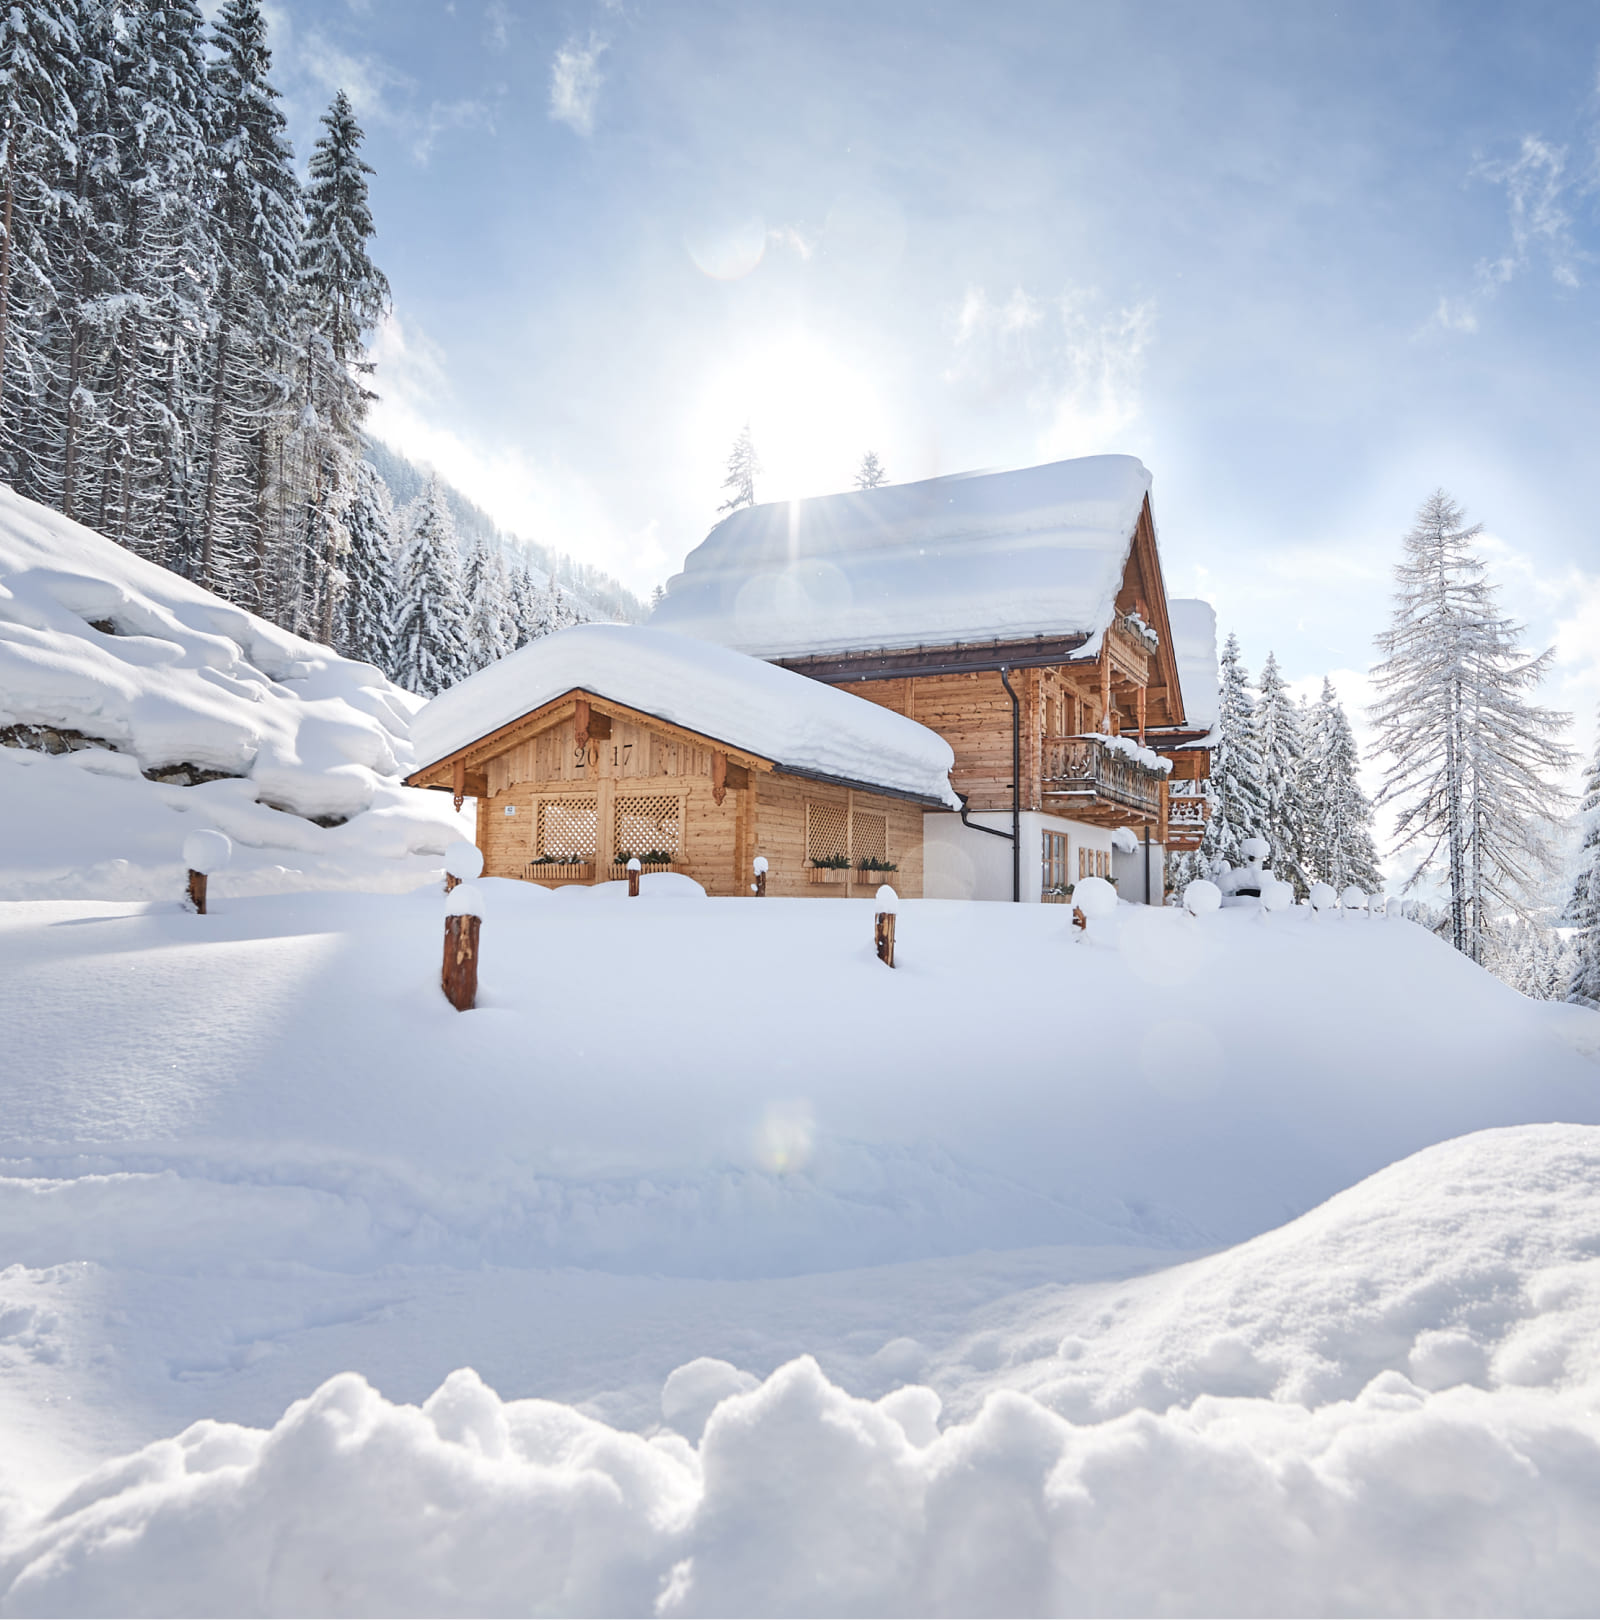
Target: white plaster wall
1130 874
962 864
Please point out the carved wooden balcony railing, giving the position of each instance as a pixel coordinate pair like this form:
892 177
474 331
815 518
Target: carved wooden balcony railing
1187 809
1096 779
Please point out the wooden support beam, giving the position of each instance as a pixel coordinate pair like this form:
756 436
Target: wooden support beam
580 717
458 781
1105 690
1141 716
719 777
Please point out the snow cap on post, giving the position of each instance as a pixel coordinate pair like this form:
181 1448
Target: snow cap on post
1125 839
635 864
1201 896
1094 897
1277 896
1323 897
1354 898
759 865
207 851
464 862
887 899
464 900
1255 849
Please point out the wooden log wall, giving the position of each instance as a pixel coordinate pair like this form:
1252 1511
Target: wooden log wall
780 814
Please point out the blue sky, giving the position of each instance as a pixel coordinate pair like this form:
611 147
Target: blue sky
1307 262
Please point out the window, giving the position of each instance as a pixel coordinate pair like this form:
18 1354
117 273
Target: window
827 832
1053 871
569 827
648 823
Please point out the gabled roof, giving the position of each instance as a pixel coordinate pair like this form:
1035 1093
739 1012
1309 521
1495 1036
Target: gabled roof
978 557
796 724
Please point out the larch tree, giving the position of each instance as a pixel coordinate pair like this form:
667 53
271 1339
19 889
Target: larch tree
1583 906
1339 847
1281 748
430 642
870 474
743 465
1470 757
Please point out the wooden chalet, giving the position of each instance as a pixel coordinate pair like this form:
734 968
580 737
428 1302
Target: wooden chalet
608 741
1024 618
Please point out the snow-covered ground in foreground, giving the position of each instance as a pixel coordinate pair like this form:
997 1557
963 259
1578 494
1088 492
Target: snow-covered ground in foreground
255 1153
100 647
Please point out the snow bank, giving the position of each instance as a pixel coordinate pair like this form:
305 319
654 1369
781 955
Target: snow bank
136 670
1388 1407
795 722
976 557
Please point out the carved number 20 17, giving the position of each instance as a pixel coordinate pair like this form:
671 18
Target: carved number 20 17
627 748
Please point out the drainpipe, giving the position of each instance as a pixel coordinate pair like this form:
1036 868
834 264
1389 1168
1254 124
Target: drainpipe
1149 899
1016 785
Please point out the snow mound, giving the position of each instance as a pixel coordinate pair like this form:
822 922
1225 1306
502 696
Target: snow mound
793 721
974 557
1453 1467
114 671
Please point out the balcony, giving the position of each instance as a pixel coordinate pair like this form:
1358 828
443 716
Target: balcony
1100 780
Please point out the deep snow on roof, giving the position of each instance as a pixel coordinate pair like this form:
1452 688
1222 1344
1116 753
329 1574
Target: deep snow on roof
796 723
1194 647
974 557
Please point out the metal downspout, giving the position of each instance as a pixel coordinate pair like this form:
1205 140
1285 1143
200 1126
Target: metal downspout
1016 785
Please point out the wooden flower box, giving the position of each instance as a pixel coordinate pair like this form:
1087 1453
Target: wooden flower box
827 874
620 869
866 878
559 872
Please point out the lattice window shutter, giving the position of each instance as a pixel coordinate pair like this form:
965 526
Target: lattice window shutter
827 831
569 827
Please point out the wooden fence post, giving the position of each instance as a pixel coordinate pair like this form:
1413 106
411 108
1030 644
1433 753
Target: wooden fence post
459 975
204 852
634 868
197 890
883 924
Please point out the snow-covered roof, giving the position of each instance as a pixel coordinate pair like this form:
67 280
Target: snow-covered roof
1194 647
96 640
798 724
971 558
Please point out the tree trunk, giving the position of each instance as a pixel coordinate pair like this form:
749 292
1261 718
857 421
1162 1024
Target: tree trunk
214 464
5 266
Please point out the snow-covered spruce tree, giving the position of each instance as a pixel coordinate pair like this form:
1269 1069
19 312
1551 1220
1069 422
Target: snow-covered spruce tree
743 465
870 474
1583 906
249 377
1235 791
1470 758
367 610
170 261
1339 848
430 641
343 295
1281 748
487 590
38 45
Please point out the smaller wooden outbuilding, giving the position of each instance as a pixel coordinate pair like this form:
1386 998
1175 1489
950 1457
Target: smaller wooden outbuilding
605 742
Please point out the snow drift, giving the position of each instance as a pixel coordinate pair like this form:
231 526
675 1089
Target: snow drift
1445 1458
114 671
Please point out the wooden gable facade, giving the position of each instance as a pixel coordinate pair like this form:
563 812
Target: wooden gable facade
1046 705
569 791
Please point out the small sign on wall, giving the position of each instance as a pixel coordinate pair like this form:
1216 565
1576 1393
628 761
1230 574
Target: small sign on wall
511 809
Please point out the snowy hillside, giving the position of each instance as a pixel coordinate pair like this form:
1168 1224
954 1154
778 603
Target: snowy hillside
135 706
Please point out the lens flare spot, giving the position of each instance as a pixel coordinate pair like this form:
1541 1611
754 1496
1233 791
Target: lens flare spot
785 1137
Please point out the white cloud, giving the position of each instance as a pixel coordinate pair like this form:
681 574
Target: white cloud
575 82
497 22
1072 359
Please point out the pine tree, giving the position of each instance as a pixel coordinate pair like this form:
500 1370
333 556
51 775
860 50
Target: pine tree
1583 906
258 218
1339 848
743 465
870 474
38 44
369 605
430 644
1281 748
343 295
1470 757
487 590
1235 791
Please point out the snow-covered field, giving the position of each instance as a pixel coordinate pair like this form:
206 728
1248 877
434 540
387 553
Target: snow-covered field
292 751
789 1283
